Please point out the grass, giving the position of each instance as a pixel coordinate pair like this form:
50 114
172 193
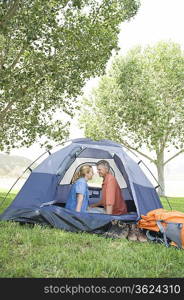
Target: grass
43 252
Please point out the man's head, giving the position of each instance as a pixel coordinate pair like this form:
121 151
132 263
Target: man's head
103 168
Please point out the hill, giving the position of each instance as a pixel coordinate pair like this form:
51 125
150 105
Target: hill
13 165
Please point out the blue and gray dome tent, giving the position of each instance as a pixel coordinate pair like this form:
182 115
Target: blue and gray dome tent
43 196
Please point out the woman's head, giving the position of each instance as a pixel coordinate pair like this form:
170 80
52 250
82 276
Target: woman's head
85 171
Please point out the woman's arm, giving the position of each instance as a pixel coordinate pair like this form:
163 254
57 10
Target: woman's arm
80 198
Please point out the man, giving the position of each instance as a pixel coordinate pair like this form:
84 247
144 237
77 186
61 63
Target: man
112 199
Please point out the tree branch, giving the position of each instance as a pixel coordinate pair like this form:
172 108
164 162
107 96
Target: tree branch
166 134
10 13
97 13
3 112
8 107
4 53
173 156
23 91
135 149
18 56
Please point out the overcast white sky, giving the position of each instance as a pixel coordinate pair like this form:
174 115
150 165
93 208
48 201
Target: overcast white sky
156 20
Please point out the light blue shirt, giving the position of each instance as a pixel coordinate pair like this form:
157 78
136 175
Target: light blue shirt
79 187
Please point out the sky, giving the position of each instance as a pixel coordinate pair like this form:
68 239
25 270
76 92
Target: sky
156 20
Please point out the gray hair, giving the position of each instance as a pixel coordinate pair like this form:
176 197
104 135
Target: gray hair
104 163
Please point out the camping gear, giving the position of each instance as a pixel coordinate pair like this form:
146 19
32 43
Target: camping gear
164 226
117 230
128 231
43 196
136 234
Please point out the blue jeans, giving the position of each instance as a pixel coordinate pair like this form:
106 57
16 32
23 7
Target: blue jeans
96 210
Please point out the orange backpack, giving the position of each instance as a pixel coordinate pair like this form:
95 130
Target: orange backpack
169 224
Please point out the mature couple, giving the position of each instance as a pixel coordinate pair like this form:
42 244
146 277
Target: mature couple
112 201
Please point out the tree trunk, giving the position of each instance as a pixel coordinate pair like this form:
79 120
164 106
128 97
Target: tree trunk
160 173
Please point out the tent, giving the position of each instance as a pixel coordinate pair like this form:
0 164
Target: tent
43 196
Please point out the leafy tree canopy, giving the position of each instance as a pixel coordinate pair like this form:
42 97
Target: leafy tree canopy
48 48
140 101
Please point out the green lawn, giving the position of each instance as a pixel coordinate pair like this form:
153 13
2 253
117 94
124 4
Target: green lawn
38 251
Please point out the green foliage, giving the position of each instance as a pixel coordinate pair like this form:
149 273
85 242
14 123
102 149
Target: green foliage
54 253
141 98
140 102
47 51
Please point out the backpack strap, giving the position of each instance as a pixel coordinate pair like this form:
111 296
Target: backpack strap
162 230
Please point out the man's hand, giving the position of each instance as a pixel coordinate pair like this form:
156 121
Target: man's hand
109 209
96 204
92 205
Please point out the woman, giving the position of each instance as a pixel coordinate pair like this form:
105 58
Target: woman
79 196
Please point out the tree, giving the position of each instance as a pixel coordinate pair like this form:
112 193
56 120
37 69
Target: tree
140 102
48 49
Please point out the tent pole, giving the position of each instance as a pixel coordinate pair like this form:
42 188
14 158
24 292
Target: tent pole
158 184
28 168
140 161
